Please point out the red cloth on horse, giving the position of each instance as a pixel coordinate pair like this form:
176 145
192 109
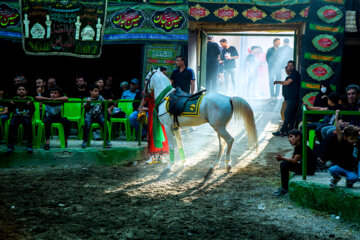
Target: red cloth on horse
151 147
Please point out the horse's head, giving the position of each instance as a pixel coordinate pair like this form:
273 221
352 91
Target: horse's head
148 88
152 77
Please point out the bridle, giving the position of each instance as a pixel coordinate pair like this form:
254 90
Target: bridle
148 81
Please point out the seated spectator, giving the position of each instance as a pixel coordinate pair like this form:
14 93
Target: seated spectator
4 111
100 83
124 86
53 114
51 82
22 114
94 113
343 100
18 80
108 91
321 100
41 89
80 91
294 163
328 120
130 94
352 92
342 156
133 118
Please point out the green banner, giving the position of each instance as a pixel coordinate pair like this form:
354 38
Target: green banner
144 22
67 28
160 55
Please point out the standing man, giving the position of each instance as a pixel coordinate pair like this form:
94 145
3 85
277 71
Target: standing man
274 66
292 86
212 64
80 91
228 56
252 70
286 53
183 76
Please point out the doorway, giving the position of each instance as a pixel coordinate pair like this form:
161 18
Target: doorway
252 72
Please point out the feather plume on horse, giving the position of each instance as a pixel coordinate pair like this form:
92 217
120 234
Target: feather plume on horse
215 109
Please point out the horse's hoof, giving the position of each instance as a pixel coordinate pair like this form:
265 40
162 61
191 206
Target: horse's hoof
180 164
228 168
169 166
216 166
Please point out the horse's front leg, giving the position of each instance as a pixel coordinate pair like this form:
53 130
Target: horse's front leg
170 137
177 133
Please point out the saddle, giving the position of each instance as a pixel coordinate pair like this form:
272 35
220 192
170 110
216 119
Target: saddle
178 99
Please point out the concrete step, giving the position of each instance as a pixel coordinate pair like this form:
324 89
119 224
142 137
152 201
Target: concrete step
120 152
315 193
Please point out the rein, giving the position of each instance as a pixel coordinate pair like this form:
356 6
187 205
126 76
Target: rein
148 82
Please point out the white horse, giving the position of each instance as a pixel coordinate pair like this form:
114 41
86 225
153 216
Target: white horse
216 109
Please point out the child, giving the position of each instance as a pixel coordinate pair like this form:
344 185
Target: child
328 120
4 112
22 114
344 157
53 115
294 163
94 112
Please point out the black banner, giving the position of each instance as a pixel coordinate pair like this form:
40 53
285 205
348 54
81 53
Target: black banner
69 28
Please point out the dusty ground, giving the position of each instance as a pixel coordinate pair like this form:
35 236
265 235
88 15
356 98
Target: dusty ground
148 202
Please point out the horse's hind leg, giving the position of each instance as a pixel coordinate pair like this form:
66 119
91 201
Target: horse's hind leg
220 153
229 141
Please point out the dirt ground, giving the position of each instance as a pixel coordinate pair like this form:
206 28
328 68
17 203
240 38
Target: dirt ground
137 201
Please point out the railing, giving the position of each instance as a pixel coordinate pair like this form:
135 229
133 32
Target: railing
305 132
106 102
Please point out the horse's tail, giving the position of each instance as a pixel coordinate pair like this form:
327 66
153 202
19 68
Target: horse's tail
243 110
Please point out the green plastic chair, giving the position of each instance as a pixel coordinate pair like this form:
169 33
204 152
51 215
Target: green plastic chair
312 138
20 133
92 127
41 131
2 129
126 106
6 129
73 112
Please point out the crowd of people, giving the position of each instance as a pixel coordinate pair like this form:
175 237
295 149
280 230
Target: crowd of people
19 108
336 150
41 90
222 71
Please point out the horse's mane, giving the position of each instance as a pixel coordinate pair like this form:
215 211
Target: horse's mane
161 76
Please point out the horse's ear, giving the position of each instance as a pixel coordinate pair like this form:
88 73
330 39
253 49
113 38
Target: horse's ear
158 70
151 68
